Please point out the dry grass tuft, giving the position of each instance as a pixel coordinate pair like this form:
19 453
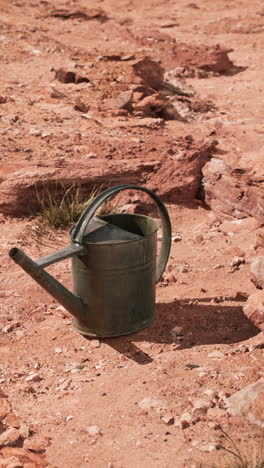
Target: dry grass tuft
60 207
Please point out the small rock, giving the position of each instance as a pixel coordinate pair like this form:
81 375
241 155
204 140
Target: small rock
171 278
218 266
259 240
216 355
157 105
81 106
177 331
19 334
62 311
9 437
24 431
192 366
27 388
95 343
58 350
208 448
65 385
55 93
12 420
150 73
217 300
176 238
90 156
81 13
94 430
10 327
5 408
184 420
65 76
241 296
68 418
256 342
149 403
195 443
35 132
7 328
237 261
200 407
122 101
257 272
168 420
35 445
254 309
33 378
216 415
3 99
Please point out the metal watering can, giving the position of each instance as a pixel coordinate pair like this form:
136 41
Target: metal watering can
114 268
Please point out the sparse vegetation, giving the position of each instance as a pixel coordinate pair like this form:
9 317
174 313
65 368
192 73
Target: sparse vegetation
60 206
251 456
254 456
238 455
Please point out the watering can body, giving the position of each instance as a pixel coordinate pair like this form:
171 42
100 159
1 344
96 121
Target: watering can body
114 269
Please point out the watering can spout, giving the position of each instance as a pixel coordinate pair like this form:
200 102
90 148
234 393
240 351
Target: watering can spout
35 269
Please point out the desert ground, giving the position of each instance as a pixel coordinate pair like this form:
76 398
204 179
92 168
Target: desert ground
169 96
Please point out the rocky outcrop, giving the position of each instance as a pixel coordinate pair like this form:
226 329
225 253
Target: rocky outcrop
158 94
84 14
18 447
248 403
257 272
179 177
18 190
149 73
232 192
254 309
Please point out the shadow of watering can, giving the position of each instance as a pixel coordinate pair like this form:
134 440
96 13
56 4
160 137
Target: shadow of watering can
114 268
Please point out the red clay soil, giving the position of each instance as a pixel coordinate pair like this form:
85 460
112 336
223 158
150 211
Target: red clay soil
167 95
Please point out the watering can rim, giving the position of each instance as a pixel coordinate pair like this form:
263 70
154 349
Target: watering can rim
123 242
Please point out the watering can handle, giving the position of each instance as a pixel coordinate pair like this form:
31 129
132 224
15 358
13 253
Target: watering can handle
89 212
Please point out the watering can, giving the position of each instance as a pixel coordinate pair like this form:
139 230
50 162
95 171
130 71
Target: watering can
114 268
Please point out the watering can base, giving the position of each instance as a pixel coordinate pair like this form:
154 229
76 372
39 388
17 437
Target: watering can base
86 331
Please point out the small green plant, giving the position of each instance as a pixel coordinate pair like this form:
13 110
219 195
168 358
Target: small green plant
60 207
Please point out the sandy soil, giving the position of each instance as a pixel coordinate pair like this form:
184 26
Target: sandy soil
135 389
